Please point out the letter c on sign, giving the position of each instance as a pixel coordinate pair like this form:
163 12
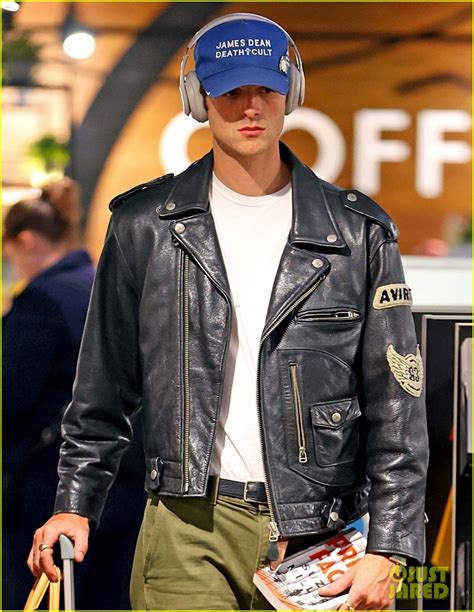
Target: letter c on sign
173 145
331 144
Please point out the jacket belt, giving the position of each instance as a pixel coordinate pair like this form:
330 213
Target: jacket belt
251 491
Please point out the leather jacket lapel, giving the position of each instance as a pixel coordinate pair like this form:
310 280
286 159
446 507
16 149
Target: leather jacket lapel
313 222
192 223
199 239
301 266
299 272
191 191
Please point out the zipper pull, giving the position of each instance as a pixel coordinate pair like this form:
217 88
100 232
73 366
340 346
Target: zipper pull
273 539
274 532
303 457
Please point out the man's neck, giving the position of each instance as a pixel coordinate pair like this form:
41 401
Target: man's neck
253 175
46 259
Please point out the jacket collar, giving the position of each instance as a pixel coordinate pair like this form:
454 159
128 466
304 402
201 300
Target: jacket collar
312 223
191 190
73 260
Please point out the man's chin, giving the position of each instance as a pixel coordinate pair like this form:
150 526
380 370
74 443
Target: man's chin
252 147
246 148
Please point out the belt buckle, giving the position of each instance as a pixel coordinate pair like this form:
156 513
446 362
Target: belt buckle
246 488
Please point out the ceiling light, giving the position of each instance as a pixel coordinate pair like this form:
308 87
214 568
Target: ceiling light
11 6
78 40
79 45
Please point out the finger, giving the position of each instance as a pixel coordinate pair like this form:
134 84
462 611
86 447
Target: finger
29 562
282 546
80 546
338 586
80 538
36 569
46 563
42 561
45 540
349 605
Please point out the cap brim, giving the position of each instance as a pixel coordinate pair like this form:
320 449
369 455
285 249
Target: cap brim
222 82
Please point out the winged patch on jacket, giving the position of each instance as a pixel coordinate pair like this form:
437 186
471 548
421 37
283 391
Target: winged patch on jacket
407 369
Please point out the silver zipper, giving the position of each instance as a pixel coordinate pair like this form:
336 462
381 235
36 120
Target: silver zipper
224 294
295 388
273 526
337 315
186 394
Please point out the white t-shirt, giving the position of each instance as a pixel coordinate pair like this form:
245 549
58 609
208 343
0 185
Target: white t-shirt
252 233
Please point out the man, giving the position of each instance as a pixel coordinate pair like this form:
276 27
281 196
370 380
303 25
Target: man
260 317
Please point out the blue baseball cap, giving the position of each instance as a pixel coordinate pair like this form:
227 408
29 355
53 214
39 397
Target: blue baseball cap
242 52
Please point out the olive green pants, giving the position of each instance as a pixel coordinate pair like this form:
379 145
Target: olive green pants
192 555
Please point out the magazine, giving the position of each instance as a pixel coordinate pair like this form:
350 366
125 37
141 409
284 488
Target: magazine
295 583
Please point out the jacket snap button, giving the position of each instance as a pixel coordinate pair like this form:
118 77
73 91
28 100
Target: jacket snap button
334 516
153 474
336 417
170 206
317 263
331 238
352 197
180 227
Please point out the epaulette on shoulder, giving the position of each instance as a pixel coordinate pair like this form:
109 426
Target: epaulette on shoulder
360 203
120 199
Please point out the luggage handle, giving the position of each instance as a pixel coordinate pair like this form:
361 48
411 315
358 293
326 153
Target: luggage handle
43 583
67 555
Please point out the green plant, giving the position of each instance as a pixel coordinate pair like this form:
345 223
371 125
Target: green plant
49 153
19 48
19 55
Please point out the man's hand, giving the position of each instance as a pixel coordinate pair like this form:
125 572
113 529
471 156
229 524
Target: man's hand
369 581
72 525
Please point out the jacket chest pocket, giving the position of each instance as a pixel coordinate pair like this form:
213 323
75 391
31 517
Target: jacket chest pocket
335 428
330 315
322 438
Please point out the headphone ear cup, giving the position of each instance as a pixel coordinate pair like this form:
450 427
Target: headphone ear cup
293 97
184 96
193 99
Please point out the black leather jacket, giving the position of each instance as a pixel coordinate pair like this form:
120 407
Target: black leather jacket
340 433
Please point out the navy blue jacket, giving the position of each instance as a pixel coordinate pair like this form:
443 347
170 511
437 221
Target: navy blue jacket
41 338
42 334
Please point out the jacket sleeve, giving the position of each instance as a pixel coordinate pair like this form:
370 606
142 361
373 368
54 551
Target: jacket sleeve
397 445
97 424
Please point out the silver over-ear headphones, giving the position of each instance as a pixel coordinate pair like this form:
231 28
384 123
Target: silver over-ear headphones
190 88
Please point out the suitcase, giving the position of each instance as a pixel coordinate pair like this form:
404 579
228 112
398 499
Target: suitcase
43 583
